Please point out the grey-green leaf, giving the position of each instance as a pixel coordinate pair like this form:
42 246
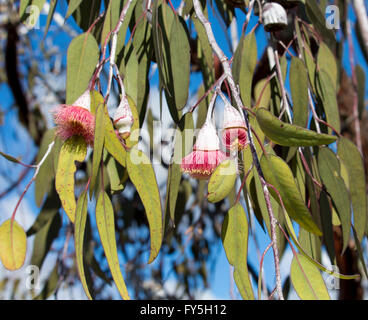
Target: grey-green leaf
82 58
351 157
307 280
329 169
278 174
234 236
286 134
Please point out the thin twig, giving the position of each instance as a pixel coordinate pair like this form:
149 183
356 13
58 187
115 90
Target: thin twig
38 167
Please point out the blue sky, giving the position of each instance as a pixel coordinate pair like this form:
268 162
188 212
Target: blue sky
14 141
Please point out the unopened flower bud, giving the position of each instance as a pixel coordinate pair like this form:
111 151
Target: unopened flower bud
123 118
274 17
234 135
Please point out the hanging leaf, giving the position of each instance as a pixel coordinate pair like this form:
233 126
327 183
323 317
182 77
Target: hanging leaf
351 157
222 181
106 229
50 15
84 12
10 158
79 230
278 174
234 236
326 61
44 239
245 60
179 62
111 18
286 134
299 92
13 245
98 144
140 171
327 96
73 5
329 169
73 149
327 227
307 280
82 58
262 88
318 19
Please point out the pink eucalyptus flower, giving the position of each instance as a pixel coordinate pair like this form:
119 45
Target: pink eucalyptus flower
76 119
206 154
234 135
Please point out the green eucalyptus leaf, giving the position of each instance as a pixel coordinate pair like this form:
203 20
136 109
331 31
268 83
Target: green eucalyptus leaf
140 171
106 229
327 95
234 236
329 169
98 144
73 149
79 231
222 181
351 157
307 280
278 174
82 58
286 134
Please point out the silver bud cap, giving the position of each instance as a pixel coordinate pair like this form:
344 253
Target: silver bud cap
274 17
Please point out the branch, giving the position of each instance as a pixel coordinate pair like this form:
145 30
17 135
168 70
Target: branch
235 92
358 138
38 167
114 39
361 14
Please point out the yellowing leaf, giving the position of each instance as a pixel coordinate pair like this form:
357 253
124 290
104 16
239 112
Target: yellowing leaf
286 134
13 245
234 236
80 226
307 280
143 177
74 149
106 229
222 181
